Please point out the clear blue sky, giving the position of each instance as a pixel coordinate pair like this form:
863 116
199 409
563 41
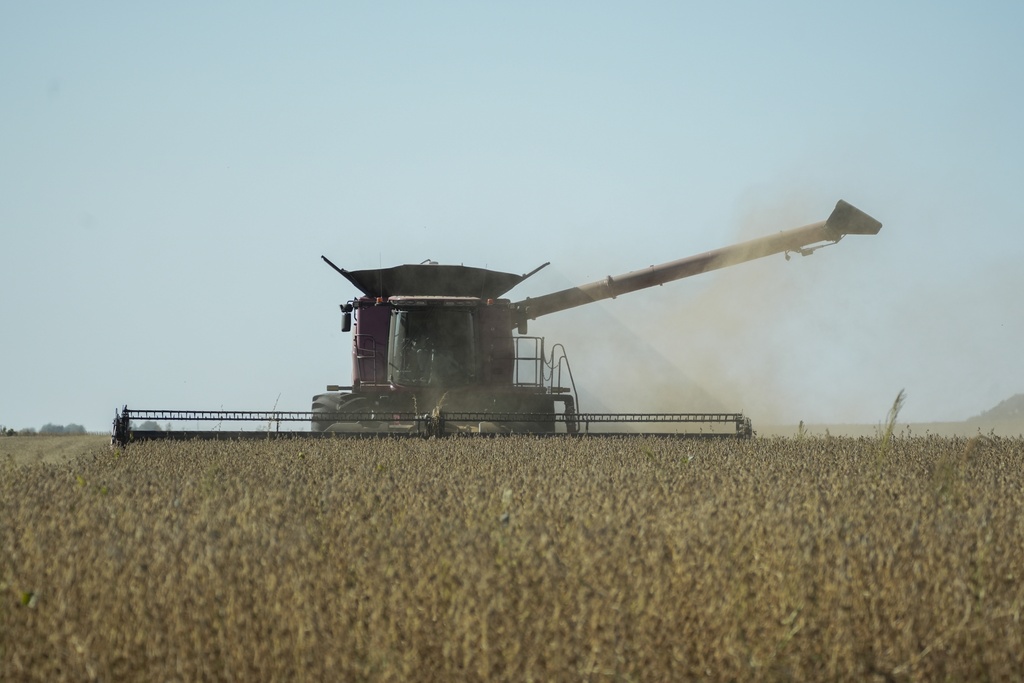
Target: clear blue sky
171 173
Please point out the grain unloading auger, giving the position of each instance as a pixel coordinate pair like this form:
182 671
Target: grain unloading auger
433 352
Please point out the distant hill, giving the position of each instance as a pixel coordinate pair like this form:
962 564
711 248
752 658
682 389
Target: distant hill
1010 409
1006 419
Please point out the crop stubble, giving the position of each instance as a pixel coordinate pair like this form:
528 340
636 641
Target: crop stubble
517 559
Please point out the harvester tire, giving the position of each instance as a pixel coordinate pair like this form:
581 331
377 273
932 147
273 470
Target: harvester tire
332 403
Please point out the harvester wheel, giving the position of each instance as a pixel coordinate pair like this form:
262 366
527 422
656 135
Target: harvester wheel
333 403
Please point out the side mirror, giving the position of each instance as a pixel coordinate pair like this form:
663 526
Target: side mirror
346 321
519 319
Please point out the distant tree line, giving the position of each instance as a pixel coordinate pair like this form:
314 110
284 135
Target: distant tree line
62 429
50 428
47 428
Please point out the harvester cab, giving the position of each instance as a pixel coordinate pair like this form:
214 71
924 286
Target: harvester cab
431 337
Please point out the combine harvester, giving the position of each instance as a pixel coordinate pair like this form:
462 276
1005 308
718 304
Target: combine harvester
434 354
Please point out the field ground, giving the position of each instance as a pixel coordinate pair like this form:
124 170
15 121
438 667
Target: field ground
809 558
49 449
1007 428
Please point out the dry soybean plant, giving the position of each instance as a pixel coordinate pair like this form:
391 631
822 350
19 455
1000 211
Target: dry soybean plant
517 559
886 433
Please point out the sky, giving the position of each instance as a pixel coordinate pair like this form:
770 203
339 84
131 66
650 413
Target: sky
171 173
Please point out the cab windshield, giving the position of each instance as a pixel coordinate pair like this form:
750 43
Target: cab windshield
432 347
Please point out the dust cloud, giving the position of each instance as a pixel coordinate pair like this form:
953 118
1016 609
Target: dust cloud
776 340
829 338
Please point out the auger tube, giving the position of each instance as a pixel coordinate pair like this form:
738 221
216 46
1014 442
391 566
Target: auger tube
844 220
